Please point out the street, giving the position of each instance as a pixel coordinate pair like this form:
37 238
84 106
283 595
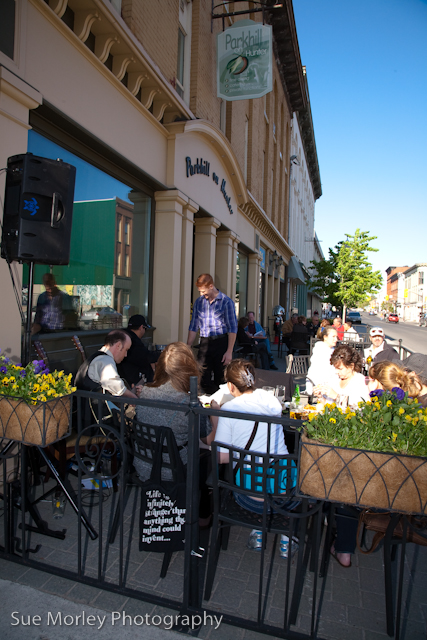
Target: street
413 337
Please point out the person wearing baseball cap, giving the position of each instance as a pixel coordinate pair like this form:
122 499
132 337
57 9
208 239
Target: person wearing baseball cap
379 349
139 360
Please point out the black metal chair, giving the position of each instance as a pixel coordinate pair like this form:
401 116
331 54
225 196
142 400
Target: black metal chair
143 443
264 476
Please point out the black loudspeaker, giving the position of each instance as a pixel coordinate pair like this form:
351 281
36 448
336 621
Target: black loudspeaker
38 210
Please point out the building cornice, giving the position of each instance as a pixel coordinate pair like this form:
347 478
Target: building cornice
158 98
259 219
294 83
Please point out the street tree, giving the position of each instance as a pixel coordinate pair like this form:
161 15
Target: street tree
325 279
357 280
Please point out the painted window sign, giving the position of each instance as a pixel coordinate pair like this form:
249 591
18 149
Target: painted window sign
262 254
203 167
244 61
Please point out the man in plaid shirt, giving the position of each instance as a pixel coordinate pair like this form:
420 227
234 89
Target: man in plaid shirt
214 315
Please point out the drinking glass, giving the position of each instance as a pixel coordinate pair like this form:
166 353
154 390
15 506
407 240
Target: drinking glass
280 393
271 390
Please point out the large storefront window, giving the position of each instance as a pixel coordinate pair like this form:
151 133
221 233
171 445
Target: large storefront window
241 285
107 279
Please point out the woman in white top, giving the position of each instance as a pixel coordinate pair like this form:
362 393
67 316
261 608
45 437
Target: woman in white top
321 370
240 377
347 386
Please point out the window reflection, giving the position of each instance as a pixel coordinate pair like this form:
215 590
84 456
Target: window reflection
103 284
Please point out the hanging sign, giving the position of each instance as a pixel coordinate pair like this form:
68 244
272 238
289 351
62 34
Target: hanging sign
244 61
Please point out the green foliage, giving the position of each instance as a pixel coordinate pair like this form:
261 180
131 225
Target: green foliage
387 306
346 279
325 281
389 422
356 278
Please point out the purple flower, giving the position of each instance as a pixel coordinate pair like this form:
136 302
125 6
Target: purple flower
377 393
400 394
3 369
6 360
23 373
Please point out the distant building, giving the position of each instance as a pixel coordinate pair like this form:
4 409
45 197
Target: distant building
415 292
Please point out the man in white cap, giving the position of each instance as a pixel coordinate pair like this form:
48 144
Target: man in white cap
379 349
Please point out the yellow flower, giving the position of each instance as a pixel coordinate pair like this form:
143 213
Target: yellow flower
332 420
36 387
12 379
389 403
401 411
415 420
60 374
394 437
43 398
410 400
408 418
5 381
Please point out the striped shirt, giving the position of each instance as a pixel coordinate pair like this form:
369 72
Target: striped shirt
214 318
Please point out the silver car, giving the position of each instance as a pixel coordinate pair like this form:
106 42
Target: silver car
101 318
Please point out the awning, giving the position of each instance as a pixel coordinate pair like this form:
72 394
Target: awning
295 272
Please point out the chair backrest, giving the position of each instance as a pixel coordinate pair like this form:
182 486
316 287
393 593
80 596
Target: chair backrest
300 365
79 347
259 475
41 352
289 361
144 442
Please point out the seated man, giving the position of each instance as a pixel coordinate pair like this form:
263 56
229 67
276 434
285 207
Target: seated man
246 341
350 334
99 371
379 350
139 361
255 328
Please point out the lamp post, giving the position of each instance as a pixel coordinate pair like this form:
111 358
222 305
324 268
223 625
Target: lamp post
293 161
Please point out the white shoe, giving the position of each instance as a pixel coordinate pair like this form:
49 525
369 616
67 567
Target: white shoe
284 546
255 540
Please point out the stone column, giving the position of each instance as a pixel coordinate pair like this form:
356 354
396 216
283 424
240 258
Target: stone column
16 100
204 248
226 260
189 210
167 264
253 283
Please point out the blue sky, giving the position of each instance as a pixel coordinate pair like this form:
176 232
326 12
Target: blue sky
367 73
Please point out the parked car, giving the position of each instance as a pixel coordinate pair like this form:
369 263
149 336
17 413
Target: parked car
354 316
393 317
101 318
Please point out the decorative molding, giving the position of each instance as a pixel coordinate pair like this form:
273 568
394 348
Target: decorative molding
83 21
147 96
58 6
103 44
159 107
135 79
267 229
120 65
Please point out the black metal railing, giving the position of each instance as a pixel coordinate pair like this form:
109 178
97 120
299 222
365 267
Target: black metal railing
98 457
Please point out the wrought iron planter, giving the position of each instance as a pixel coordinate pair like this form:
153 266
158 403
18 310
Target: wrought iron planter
363 478
40 424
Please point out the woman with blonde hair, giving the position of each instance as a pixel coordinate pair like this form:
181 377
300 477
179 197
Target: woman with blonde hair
171 383
409 375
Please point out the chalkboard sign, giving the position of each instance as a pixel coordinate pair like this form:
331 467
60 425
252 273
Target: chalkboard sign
163 519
